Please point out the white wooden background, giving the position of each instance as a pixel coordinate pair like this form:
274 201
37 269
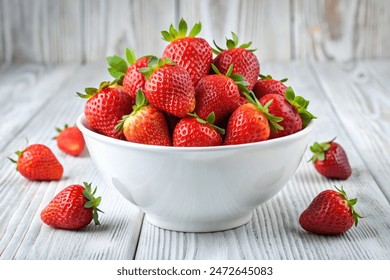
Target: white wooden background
51 49
282 30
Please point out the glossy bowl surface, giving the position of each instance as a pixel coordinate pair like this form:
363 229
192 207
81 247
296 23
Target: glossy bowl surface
200 189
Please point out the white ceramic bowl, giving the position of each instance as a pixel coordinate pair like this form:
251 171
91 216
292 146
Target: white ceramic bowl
198 189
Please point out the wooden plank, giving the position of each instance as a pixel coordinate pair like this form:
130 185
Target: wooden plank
22 234
265 23
359 94
341 30
274 232
26 88
41 31
111 27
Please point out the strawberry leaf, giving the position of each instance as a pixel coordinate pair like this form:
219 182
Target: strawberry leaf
130 56
92 201
195 30
300 104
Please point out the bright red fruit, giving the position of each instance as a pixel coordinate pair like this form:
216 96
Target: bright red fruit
330 160
191 53
73 208
279 106
70 140
267 85
330 212
244 61
145 125
168 87
127 73
193 131
219 94
251 122
38 163
105 107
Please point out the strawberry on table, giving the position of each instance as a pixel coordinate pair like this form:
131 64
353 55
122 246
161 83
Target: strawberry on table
244 61
251 122
218 93
330 160
193 131
73 208
127 73
105 107
38 163
145 125
330 212
70 140
267 85
168 87
192 53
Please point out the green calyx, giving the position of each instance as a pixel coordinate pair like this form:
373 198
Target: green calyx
92 201
59 130
300 104
232 44
118 65
319 150
90 91
237 78
209 120
173 33
272 120
269 77
154 64
140 102
351 204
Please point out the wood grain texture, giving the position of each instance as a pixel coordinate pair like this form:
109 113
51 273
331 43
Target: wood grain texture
274 232
22 234
341 30
265 23
360 98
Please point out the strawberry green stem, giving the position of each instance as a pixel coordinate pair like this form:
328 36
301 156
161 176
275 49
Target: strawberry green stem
209 120
92 201
351 204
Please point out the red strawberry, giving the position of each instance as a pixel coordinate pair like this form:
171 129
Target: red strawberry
267 85
70 140
250 122
105 108
193 131
38 163
168 87
219 94
330 160
191 53
73 208
331 212
293 110
145 125
127 73
244 61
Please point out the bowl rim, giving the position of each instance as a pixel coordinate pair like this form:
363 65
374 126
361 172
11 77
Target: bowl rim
85 129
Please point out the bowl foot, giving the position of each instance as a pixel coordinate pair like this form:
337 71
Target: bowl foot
199 226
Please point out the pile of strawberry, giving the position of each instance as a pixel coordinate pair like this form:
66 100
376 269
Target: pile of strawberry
188 98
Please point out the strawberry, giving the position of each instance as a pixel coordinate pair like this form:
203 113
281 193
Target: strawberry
105 108
267 85
145 125
244 61
127 73
73 208
70 140
193 131
330 212
251 122
293 110
191 53
219 94
330 160
168 87
38 163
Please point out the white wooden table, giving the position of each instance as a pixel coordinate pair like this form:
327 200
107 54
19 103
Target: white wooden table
352 102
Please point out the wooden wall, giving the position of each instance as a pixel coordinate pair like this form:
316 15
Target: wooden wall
89 30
